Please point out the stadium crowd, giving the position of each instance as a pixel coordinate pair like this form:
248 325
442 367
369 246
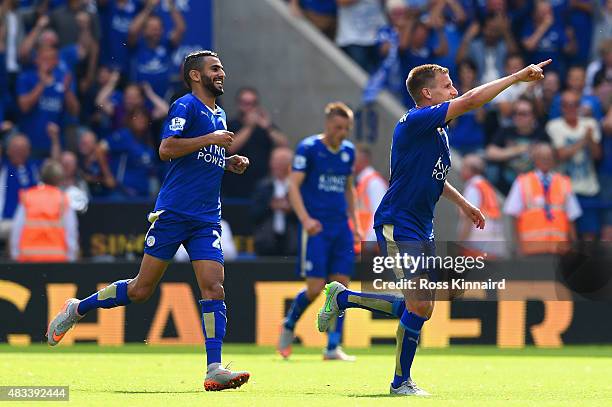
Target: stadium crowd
89 82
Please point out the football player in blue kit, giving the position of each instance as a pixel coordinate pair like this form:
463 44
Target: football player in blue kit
187 211
322 194
420 161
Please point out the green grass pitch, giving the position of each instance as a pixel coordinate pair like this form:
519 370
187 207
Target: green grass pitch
134 375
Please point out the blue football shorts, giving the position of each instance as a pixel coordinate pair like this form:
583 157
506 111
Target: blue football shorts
328 252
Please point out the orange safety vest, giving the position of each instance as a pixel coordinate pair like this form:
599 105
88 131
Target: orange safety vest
363 204
489 204
538 234
43 238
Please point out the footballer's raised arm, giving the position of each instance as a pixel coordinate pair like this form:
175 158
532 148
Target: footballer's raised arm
483 94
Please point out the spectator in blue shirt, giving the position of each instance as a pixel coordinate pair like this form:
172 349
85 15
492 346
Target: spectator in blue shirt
545 38
152 59
17 172
467 133
590 106
116 17
580 16
44 95
70 55
93 165
132 156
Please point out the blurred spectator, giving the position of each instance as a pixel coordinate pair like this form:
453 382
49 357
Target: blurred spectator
321 13
68 20
45 228
93 165
599 74
11 35
605 178
545 38
115 105
480 193
358 24
17 172
116 16
580 18
510 146
545 92
70 55
370 189
255 137
421 46
543 206
602 29
227 244
589 104
391 39
45 94
275 222
490 50
506 99
72 184
453 14
467 134
577 142
132 156
152 52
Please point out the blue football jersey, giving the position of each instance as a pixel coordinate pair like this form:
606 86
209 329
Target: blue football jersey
193 183
420 161
323 189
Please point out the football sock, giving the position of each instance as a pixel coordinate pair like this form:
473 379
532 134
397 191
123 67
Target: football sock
334 336
300 303
114 295
407 338
214 321
384 303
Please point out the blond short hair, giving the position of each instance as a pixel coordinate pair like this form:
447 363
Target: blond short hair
421 77
338 109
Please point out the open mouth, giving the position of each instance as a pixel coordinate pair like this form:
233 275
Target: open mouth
218 82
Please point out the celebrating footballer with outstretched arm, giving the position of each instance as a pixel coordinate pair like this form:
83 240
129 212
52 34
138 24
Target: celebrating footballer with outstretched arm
420 161
187 211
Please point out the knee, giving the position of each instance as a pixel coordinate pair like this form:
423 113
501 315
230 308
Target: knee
422 308
139 293
213 291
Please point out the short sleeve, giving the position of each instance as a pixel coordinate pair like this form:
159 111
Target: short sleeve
514 202
301 159
177 120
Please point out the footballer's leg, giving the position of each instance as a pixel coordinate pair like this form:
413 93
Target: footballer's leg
419 306
210 276
314 286
119 293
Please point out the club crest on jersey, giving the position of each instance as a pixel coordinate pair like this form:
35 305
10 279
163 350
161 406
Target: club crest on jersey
344 156
177 124
440 170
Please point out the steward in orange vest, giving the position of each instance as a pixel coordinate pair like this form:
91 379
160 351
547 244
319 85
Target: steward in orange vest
543 222
42 237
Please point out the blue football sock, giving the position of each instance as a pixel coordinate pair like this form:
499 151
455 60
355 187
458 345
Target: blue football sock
115 295
384 303
407 338
299 305
334 336
214 321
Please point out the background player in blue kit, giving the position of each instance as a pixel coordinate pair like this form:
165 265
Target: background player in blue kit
188 212
322 194
420 161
